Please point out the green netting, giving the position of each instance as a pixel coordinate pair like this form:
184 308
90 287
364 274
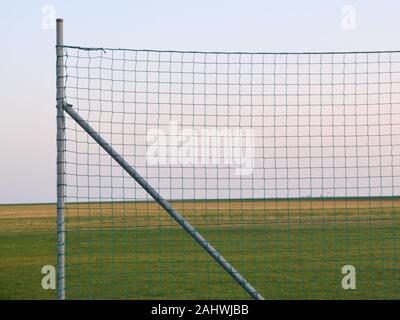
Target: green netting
287 163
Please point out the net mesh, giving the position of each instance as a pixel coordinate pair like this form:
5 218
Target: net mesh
288 164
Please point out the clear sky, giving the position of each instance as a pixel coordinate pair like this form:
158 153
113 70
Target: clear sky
27 58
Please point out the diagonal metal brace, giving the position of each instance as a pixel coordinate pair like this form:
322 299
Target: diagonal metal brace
164 203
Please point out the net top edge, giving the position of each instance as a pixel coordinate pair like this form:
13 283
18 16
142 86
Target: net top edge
105 49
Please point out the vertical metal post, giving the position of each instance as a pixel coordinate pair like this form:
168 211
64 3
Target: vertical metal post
60 162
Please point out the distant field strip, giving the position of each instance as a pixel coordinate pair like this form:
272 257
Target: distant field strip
202 212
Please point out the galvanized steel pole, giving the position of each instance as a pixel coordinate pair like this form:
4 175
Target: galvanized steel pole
60 162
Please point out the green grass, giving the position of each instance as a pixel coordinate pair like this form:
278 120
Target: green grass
284 260
22 256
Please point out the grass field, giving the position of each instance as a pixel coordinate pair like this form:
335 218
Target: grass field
286 249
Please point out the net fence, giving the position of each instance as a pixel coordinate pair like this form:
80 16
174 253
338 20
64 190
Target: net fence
288 163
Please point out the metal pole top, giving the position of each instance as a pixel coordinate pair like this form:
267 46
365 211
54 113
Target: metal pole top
60 33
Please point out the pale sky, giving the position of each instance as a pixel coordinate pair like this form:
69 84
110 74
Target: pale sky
27 59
